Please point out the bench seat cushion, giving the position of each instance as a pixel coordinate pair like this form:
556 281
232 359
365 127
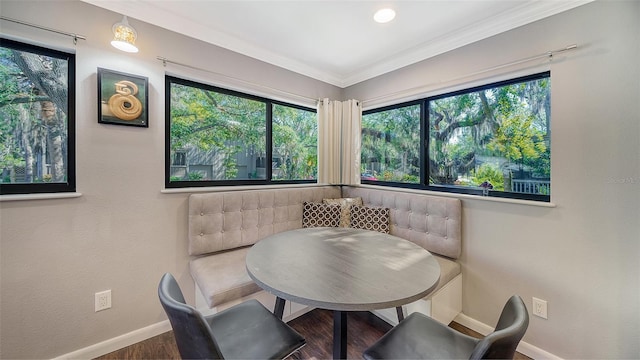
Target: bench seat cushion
449 269
223 277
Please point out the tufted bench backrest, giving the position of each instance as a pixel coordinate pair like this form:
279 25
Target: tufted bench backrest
226 220
432 222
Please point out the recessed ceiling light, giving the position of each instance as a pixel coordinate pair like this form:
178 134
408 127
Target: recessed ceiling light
384 15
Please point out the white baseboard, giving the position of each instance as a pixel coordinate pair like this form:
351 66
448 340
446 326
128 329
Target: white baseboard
118 342
524 348
122 341
473 324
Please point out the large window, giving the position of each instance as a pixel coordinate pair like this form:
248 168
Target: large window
216 136
295 143
391 144
37 119
492 140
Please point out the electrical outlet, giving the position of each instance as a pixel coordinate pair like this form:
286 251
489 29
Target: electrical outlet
103 300
540 308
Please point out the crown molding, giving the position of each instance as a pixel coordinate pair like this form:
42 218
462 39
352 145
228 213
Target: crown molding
526 13
522 15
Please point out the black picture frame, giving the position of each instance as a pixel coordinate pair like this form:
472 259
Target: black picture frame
123 99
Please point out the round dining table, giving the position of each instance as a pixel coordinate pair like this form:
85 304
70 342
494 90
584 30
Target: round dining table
342 269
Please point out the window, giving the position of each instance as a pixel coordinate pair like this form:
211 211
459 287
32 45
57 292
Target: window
295 143
391 144
492 140
221 137
37 119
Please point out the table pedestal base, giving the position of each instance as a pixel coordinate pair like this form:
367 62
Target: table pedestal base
339 334
278 309
339 327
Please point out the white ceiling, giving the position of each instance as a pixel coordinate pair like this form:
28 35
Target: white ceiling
337 41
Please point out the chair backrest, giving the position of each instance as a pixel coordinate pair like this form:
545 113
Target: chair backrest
502 343
190 329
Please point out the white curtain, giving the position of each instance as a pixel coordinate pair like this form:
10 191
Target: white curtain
351 134
339 126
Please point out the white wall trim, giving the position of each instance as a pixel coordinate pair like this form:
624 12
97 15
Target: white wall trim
461 196
240 188
118 342
37 196
525 348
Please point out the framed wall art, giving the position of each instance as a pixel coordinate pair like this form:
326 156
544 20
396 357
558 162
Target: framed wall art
123 99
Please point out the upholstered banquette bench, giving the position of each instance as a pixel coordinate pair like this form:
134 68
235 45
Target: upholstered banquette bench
224 225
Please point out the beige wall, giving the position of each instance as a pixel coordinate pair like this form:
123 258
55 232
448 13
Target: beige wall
122 234
583 256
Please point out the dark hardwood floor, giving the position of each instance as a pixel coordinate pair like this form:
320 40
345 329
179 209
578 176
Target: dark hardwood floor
316 326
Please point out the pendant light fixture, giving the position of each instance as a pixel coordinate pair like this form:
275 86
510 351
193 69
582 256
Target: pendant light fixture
124 36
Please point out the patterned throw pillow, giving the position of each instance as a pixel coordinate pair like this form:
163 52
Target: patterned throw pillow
320 215
369 218
345 205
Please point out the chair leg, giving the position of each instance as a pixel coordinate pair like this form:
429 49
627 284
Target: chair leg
296 355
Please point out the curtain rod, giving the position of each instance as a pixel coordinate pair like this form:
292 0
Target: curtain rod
417 89
73 35
166 61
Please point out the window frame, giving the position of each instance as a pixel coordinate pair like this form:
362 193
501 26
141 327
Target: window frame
70 184
422 145
169 79
425 123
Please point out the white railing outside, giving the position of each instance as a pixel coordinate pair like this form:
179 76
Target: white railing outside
531 186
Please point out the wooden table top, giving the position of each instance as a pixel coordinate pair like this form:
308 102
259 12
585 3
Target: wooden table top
342 268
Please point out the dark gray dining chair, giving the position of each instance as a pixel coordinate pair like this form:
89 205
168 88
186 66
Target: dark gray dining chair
245 331
420 337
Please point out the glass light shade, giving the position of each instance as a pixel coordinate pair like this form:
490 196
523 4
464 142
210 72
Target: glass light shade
384 15
124 36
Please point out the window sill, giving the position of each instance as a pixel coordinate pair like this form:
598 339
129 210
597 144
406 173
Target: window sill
463 196
47 196
237 188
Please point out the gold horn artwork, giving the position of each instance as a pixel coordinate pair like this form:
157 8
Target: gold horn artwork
123 104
